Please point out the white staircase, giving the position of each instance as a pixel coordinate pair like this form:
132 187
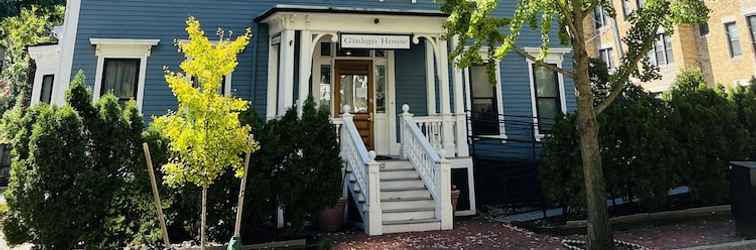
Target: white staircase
397 195
406 203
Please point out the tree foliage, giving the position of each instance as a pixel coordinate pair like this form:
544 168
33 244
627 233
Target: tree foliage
205 134
31 27
77 178
10 8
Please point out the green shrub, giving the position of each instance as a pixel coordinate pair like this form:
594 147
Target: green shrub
706 124
77 175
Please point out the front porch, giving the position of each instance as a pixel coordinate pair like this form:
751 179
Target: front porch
369 67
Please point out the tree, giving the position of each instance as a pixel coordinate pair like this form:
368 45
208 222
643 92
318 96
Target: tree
31 27
14 7
473 23
205 134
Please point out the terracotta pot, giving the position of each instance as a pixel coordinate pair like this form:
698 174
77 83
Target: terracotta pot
332 218
455 197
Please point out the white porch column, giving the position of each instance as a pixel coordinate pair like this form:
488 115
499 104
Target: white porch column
305 68
459 109
272 98
286 72
430 73
442 62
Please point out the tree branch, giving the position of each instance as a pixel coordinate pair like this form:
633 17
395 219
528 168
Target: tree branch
621 77
568 73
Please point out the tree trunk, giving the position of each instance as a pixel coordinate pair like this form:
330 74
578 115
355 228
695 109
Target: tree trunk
599 230
203 225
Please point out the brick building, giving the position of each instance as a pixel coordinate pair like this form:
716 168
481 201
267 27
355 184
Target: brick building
723 48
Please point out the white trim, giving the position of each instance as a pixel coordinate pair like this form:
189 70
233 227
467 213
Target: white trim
272 90
123 42
728 19
430 77
355 23
466 163
122 49
394 146
67 45
499 94
562 97
46 59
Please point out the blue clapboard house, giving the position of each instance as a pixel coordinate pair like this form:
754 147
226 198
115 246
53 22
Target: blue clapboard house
410 121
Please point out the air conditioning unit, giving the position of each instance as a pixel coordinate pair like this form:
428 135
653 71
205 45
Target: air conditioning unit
743 197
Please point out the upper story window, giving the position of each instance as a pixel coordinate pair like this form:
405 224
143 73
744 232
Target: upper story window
640 3
47 88
606 56
626 8
548 98
599 17
732 39
484 99
121 78
661 54
752 29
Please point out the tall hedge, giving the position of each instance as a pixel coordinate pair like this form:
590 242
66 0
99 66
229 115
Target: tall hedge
77 176
651 144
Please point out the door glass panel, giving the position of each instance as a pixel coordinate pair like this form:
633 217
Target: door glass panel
354 92
325 86
380 89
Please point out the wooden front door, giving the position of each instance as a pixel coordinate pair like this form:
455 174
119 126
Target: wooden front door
354 87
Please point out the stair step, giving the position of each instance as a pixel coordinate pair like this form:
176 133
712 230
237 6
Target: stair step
402 169
411 226
401 189
409 215
415 183
407 204
404 222
400 178
411 173
389 165
406 195
409 210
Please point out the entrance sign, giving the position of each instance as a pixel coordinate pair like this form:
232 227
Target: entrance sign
370 41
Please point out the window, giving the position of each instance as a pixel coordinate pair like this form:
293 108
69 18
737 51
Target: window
484 102
640 3
733 40
121 78
626 8
703 29
606 56
662 53
47 87
599 17
548 101
752 29
380 89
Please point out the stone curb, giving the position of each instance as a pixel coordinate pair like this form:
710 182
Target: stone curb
739 245
666 215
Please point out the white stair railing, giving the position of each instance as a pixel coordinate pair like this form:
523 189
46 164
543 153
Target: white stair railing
365 169
430 164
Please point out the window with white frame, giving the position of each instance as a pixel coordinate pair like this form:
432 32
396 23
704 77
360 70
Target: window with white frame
547 95
120 77
606 55
733 39
661 54
47 88
599 17
485 99
626 8
121 67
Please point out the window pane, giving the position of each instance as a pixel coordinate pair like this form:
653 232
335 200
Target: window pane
380 89
325 49
668 49
640 3
548 111
659 49
354 92
752 27
598 17
546 82
733 40
484 105
626 7
703 29
47 86
325 86
480 84
121 77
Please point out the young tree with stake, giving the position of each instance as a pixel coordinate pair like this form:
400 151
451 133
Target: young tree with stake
472 22
206 137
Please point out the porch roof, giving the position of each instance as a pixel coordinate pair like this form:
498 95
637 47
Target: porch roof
347 10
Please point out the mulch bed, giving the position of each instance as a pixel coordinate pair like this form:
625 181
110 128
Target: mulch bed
469 234
483 234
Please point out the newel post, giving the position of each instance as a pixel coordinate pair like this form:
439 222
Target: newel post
444 206
375 214
406 116
343 134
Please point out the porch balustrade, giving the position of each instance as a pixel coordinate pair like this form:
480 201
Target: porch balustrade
433 168
433 128
366 172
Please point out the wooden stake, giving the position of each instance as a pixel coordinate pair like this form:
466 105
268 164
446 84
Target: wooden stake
156 195
242 189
